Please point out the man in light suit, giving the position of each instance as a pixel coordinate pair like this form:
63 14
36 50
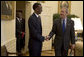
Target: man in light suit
35 31
63 29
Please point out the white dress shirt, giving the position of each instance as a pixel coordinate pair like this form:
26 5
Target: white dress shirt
36 15
19 19
65 22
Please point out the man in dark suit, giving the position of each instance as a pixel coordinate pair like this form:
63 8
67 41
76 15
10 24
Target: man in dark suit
63 29
20 32
35 31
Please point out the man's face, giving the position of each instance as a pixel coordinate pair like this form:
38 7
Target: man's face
63 13
19 14
39 9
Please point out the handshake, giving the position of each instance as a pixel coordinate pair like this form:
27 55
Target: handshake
47 38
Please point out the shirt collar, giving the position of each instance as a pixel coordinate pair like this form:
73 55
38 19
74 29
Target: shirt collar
36 15
19 18
65 19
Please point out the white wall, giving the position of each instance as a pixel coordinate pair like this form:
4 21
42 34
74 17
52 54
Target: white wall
49 8
27 15
8 33
77 9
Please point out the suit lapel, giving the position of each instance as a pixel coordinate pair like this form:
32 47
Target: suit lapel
67 25
60 23
36 17
37 20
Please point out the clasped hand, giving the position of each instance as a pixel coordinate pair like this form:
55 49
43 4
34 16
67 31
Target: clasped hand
47 38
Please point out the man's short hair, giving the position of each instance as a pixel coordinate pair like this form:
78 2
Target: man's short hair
35 5
19 11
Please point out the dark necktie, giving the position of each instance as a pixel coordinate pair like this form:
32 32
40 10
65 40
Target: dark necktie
63 25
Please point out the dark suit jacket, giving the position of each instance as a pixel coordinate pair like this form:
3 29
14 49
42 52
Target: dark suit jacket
20 27
35 34
63 38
